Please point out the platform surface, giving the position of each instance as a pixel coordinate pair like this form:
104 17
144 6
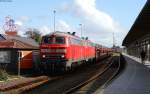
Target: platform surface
135 79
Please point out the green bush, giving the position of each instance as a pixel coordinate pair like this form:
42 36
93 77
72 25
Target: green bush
3 75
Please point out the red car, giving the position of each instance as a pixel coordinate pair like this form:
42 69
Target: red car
65 50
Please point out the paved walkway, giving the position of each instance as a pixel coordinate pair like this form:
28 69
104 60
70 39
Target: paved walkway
135 79
147 63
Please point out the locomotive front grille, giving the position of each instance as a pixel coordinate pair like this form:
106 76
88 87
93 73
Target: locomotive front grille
55 56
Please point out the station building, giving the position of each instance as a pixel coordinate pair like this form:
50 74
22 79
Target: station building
16 50
138 38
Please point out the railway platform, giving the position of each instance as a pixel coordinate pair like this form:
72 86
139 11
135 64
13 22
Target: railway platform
135 79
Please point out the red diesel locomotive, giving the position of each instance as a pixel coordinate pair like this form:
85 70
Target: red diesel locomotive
65 50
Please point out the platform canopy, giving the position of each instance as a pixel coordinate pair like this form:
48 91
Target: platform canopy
141 27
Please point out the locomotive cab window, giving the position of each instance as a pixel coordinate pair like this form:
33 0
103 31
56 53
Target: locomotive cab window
59 40
48 40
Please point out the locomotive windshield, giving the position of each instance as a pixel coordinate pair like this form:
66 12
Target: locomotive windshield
53 40
47 40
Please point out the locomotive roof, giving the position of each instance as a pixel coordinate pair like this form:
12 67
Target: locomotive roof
63 34
58 33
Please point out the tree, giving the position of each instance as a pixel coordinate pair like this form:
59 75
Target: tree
34 34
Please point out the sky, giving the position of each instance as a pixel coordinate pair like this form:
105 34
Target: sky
99 18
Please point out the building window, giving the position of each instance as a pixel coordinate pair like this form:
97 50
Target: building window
5 57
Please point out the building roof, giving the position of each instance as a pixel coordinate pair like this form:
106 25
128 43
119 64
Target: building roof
7 41
141 26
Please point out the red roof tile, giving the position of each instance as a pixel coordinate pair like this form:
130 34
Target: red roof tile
6 44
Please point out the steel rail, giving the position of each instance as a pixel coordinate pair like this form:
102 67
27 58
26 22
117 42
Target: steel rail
113 75
23 88
71 90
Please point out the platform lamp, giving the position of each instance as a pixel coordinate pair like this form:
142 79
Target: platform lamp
54 18
19 61
81 29
81 38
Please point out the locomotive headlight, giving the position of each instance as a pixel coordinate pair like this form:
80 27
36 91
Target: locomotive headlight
62 56
43 56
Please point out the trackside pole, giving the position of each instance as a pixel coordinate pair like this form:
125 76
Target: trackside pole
19 63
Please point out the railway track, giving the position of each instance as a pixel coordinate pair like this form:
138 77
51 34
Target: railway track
27 85
80 80
112 70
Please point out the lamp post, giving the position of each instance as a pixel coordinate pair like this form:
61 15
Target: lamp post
81 29
19 61
113 40
54 19
81 38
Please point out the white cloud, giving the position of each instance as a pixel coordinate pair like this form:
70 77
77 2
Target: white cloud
97 25
63 26
87 10
45 30
19 23
66 27
2 31
60 26
21 33
24 18
21 20
64 7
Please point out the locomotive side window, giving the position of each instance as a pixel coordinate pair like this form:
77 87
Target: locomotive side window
60 40
75 41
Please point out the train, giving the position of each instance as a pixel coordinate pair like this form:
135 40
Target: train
65 50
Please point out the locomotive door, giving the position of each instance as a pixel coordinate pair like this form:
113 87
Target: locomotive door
71 50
